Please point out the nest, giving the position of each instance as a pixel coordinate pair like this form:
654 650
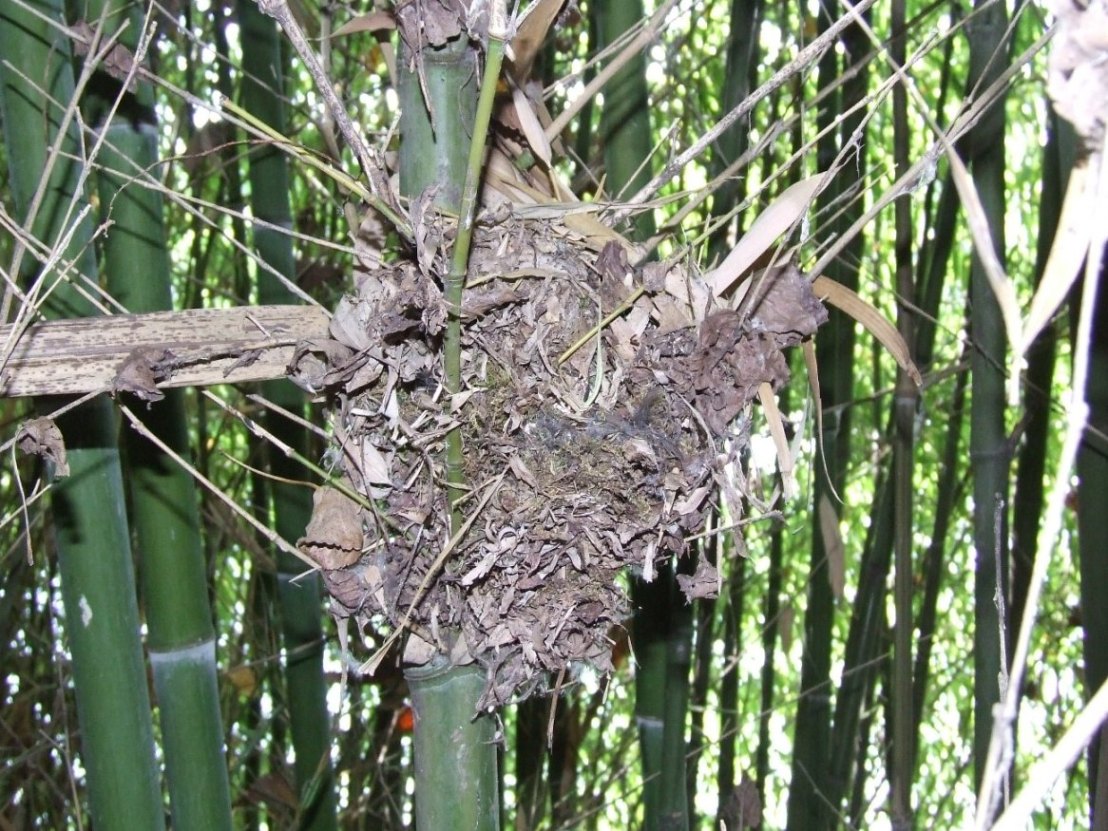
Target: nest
579 463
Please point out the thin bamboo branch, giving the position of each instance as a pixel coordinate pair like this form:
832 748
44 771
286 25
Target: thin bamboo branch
367 158
999 759
648 33
803 59
455 280
229 501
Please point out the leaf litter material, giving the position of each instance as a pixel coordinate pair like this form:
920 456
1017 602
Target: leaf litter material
580 465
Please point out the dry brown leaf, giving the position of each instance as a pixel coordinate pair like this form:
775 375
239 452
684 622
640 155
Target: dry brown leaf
875 323
41 437
705 583
333 538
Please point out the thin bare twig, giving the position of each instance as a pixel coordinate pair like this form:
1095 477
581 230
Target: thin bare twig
649 32
257 524
367 158
804 58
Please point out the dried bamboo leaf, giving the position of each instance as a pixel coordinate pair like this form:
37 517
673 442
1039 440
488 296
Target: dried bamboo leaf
1002 287
777 431
1071 243
529 124
832 546
775 220
531 31
875 323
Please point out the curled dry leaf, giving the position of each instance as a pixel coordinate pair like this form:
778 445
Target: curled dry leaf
705 582
744 806
531 30
430 22
141 372
41 437
333 538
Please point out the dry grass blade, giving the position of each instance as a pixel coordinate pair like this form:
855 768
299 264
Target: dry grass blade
810 363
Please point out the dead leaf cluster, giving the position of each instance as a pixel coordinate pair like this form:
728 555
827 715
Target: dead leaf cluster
604 458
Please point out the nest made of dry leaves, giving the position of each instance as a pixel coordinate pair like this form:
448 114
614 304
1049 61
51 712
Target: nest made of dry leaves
577 469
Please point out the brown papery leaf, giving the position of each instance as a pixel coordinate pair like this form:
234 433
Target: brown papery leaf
333 538
41 437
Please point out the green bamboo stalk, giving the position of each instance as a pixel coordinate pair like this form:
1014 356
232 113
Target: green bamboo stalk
1092 527
530 752
814 797
904 419
988 438
455 753
165 509
94 556
457 784
662 624
299 595
739 77
455 281
163 497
